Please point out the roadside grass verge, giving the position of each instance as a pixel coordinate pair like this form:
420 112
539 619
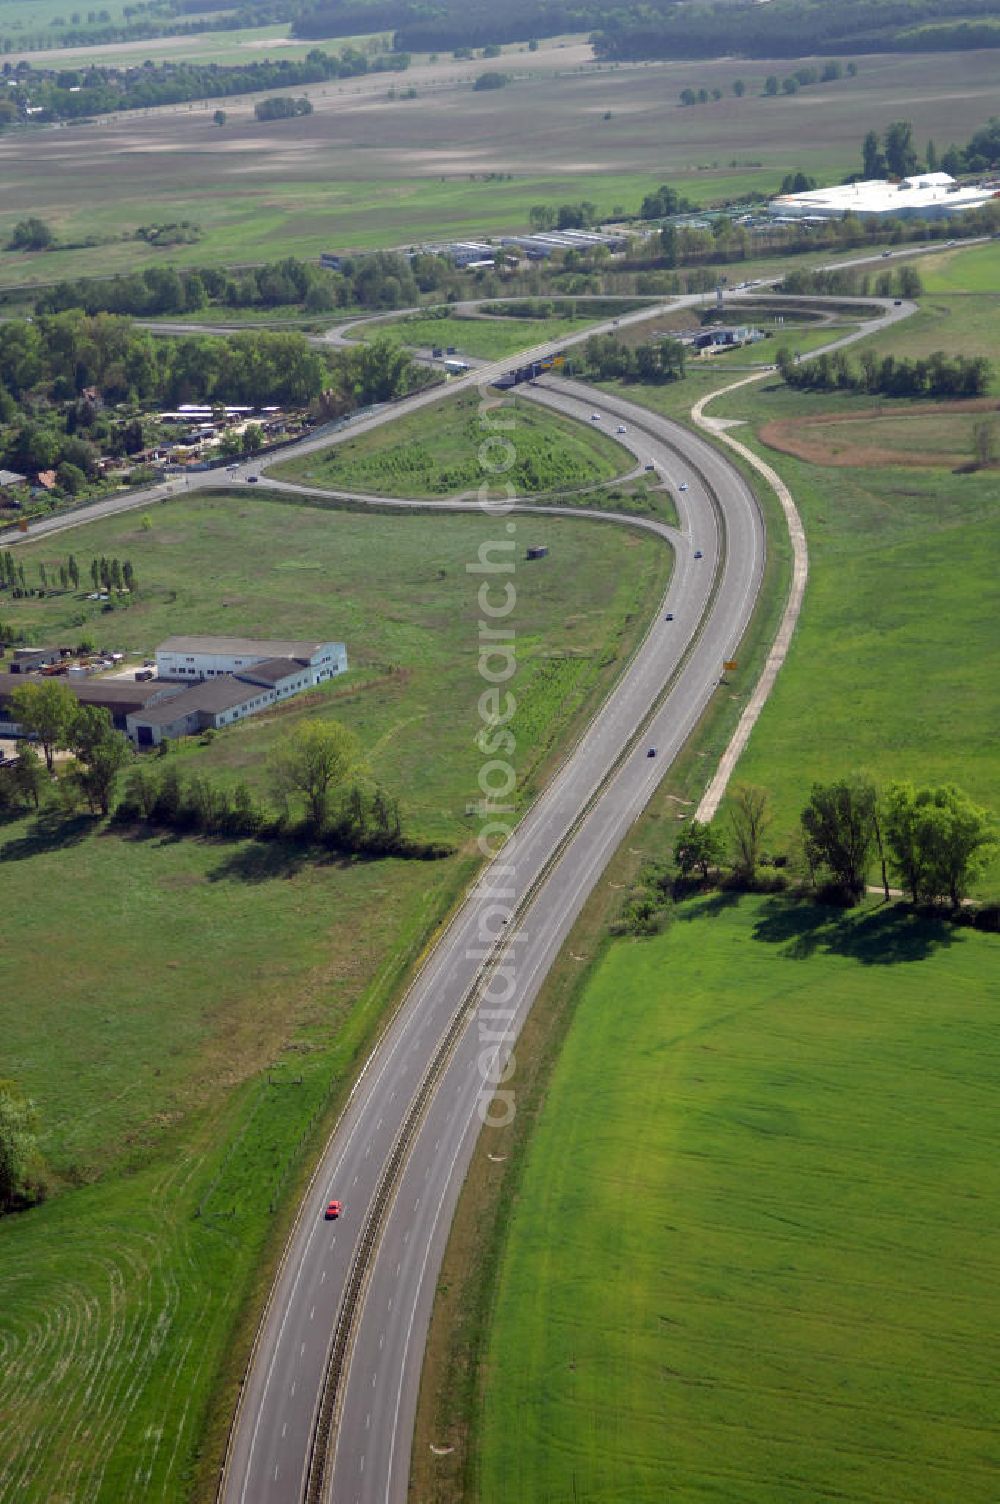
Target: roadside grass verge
747 1160
482 338
194 1029
974 270
408 458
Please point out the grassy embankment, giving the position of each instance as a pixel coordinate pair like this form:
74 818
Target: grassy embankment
422 457
197 1007
485 338
673 1162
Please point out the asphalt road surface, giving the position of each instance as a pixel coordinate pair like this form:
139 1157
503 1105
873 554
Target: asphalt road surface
529 899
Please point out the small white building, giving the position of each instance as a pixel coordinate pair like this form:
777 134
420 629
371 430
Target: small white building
190 659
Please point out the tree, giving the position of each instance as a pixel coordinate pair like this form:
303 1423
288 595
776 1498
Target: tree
839 828
872 158
900 155
749 816
31 234
491 80
104 752
909 282
790 85
542 217
931 157
18 1148
739 88
71 478
771 85
27 774
73 570
688 97
219 117
47 711
699 848
937 839
984 441
315 757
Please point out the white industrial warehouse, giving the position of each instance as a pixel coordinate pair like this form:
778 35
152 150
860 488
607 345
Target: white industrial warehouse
928 195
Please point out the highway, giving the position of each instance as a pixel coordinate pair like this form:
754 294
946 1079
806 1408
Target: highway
360 1290
538 886
353 1298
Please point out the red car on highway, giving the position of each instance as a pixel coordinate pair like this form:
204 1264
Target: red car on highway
332 1212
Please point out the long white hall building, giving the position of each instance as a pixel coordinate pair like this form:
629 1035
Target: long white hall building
189 659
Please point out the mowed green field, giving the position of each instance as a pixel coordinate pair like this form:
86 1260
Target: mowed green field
445 455
484 339
974 270
895 665
753 1255
196 1006
959 323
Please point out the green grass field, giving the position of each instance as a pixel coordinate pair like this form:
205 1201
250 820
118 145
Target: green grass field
895 664
752 1255
960 324
166 976
485 339
441 457
976 270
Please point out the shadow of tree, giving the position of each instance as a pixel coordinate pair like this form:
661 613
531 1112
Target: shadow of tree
886 936
49 831
265 861
709 907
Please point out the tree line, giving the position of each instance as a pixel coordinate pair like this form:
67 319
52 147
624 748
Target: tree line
315 774
73 94
450 24
802 78
383 280
106 574
795 29
157 18
936 375
902 281
609 359
932 839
